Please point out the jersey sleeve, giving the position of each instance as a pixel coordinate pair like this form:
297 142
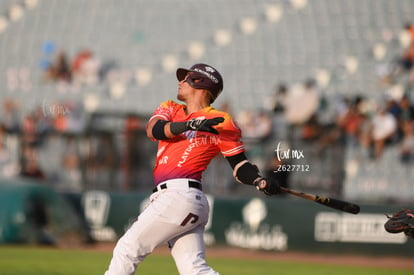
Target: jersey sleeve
230 134
164 111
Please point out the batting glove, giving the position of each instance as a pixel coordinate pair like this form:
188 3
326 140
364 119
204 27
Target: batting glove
204 125
268 186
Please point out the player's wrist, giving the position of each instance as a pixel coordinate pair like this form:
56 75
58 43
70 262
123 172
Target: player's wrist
194 124
177 128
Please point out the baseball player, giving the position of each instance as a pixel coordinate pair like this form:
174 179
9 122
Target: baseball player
189 136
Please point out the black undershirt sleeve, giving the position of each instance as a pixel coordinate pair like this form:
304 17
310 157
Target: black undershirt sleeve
233 160
158 131
243 170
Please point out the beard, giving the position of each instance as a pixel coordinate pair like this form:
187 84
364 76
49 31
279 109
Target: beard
180 97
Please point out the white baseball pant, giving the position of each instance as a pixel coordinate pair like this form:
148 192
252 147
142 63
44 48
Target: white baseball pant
177 216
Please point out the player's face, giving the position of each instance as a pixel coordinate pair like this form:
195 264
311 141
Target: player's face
184 89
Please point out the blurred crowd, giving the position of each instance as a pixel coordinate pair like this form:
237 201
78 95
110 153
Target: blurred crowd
366 125
402 64
291 112
61 145
84 68
24 135
93 158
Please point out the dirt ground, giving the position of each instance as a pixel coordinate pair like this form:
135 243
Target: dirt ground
229 252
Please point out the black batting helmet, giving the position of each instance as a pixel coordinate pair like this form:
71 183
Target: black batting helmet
208 78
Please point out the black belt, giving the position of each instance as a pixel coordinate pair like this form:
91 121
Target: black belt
191 183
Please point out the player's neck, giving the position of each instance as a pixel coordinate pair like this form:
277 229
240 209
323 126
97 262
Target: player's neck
195 106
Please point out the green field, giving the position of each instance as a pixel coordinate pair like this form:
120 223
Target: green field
44 261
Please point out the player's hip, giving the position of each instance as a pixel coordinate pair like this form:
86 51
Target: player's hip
173 205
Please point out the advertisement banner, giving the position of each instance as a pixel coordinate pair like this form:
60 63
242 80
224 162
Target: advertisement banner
273 224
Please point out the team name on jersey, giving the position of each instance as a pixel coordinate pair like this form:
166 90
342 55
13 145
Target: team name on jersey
196 142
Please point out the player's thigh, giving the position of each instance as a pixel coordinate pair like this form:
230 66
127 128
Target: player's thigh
188 251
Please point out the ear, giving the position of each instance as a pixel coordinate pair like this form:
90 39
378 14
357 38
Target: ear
206 95
210 97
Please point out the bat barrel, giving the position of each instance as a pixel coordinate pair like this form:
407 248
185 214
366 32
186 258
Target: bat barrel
340 205
330 202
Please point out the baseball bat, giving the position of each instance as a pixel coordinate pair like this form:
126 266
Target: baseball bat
330 202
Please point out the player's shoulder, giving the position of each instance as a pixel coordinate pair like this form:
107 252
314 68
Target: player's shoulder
171 104
218 113
228 119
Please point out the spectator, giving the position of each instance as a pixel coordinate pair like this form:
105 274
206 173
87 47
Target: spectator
276 104
407 143
226 107
29 131
75 117
406 110
311 129
31 169
407 59
302 104
85 68
404 62
351 121
364 132
406 114
8 165
133 159
393 107
246 121
10 117
78 62
44 124
59 70
256 126
101 161
263 125
71 178
278 100
384 126
60 118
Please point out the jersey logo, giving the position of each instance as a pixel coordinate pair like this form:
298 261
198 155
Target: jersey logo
190 217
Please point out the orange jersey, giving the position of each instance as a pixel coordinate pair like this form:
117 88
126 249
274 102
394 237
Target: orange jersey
188 154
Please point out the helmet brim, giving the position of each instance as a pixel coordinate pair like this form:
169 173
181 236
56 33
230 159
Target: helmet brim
181 73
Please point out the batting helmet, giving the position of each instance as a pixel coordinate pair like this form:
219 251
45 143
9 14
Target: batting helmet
207 77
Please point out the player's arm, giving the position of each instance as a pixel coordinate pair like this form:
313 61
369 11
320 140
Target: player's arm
160 129
248 173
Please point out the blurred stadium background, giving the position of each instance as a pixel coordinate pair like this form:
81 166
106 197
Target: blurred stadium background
329 78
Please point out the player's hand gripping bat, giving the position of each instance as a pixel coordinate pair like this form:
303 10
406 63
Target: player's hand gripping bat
333 203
